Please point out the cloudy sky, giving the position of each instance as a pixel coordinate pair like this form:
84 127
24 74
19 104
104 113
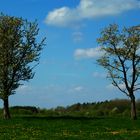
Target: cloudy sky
68 72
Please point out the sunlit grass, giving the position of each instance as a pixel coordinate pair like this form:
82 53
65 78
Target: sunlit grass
47 128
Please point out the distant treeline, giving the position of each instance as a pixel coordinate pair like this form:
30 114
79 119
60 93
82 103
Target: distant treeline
105 108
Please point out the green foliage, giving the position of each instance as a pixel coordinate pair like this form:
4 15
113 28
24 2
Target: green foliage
90 121
19 50
100 109
121 57
24 110
19 54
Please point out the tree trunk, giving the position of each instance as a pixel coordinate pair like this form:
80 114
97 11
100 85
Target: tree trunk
6 112
133 107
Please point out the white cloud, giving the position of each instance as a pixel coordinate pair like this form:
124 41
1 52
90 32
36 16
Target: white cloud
88 9
78 88
60 17
88 53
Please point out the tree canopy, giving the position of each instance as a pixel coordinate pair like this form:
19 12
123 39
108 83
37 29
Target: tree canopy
122 58
19 53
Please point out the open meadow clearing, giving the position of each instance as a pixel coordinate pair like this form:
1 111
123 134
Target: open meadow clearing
69 128
70 70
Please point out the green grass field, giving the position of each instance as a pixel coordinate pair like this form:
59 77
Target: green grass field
69 128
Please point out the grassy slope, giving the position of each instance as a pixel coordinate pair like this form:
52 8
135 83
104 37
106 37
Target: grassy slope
45 128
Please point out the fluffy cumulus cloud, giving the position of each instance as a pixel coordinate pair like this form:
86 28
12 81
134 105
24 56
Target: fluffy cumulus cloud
88 9
60 17
88 53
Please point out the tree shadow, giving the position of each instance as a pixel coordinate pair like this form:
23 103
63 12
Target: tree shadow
61 118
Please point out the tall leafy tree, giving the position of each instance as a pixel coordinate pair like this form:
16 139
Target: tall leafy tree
19 54
122 59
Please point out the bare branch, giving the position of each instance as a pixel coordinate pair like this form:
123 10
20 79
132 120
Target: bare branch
117 85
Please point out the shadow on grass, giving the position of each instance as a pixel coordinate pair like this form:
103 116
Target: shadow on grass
61 118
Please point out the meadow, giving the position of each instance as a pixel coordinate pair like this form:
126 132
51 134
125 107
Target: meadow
90 121
69 128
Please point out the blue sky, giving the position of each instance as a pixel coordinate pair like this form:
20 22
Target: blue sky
68 72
